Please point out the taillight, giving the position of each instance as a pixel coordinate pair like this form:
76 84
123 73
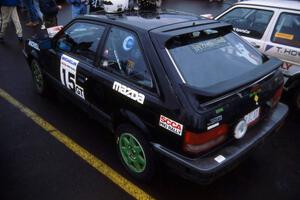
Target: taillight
201 142
275 99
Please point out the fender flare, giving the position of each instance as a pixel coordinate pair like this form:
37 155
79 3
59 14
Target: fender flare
128 116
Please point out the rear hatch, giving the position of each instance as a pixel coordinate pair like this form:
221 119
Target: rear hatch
225 79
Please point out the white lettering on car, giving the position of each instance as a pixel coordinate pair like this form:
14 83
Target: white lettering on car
33 45
128 92
68 68
288 52
241 30
170 125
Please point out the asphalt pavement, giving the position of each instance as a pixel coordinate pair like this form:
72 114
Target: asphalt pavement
35 165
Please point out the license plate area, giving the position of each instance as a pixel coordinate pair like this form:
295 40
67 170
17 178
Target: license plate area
252 117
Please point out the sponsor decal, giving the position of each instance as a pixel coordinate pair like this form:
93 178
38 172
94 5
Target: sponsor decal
128 92
213 126
68 68
284 36
288 52
245 31
33 45
208 45
170 125
216 119
128 43
268 47
214 122
220 158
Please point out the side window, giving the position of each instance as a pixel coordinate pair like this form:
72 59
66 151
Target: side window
287 30
81 39
122 55
248 22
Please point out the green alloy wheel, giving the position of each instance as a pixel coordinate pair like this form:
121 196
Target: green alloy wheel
135 152
132 153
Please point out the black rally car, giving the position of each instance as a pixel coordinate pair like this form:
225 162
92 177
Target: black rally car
174 88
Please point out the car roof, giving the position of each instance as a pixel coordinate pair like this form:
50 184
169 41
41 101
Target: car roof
145 20
293 5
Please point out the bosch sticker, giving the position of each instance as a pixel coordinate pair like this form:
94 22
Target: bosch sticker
170 125
68 67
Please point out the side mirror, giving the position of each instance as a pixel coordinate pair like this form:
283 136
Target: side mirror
45 44
64 45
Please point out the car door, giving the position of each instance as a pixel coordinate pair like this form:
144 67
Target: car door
73 56
251 22
122 78
283 41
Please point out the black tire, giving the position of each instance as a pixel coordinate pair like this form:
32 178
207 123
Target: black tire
147 172
39 81
296 99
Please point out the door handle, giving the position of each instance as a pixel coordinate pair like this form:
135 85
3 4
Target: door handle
82 78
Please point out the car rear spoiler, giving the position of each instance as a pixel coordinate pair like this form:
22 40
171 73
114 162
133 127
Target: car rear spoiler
164 34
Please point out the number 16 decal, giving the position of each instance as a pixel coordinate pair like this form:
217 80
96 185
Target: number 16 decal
68 67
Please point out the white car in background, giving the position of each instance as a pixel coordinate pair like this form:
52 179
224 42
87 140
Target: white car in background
274 28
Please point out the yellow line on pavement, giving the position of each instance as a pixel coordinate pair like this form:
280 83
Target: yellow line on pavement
99 165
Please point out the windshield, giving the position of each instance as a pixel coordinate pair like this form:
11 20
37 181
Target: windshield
209 57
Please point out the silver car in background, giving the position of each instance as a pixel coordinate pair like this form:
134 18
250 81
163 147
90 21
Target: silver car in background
273 27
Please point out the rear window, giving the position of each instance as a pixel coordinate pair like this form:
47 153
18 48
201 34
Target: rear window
206 58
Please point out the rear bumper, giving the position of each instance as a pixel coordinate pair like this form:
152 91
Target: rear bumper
205 169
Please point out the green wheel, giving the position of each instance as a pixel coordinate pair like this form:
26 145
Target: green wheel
132 153
135 153
38 78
